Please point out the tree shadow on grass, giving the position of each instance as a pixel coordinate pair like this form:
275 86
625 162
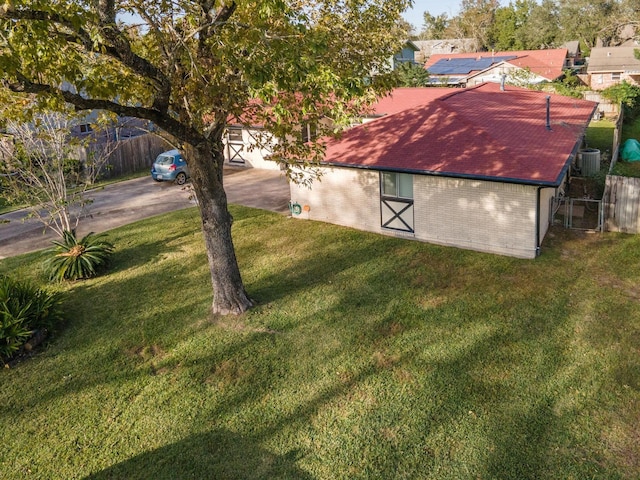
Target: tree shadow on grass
215 454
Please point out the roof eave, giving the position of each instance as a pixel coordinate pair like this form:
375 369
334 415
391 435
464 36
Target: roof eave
432 173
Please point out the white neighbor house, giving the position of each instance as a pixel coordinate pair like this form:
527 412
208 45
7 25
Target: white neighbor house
523 66
473 168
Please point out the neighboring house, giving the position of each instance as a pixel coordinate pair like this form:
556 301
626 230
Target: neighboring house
405 55
575 59
445 46
474 168
123 128
609 66
528 66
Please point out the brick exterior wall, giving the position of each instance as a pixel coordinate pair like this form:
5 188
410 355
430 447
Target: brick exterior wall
477 215
343 196
600 81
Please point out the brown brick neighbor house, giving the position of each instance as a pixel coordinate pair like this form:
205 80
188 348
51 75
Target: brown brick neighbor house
612 65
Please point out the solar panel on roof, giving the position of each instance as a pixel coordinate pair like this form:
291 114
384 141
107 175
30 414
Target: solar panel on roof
464 66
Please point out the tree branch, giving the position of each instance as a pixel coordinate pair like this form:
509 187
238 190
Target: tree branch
221 17
161 119
118 47
107 12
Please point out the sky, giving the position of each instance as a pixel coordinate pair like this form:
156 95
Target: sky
434 7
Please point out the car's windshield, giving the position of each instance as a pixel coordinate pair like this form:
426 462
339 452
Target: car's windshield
164 160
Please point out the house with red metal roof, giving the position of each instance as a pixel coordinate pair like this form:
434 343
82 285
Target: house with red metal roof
246 144
474 168
524 66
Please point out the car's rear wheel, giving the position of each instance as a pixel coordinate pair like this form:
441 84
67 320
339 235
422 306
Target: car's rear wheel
181 178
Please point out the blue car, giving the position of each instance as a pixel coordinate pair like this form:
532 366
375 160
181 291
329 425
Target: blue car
170 166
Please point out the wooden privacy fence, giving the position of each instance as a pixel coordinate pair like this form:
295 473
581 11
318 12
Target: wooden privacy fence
621 204
605 106
130 155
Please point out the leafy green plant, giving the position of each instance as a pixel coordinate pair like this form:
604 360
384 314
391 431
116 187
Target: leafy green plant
626 94
14 330
75 259
569 86
411 75
24 309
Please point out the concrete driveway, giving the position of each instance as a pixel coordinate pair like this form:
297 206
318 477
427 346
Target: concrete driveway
127 202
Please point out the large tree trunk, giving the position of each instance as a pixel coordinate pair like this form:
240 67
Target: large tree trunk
206 165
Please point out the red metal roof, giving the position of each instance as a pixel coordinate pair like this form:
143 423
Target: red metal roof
478 132
546 63
403 98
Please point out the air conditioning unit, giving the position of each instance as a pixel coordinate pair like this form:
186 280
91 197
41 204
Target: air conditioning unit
589 162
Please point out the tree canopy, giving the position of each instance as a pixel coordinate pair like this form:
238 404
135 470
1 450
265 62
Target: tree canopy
527 24
189 66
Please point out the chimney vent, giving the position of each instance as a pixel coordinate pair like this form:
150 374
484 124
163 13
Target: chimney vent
548 112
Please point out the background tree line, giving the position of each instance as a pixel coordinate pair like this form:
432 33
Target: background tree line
527 24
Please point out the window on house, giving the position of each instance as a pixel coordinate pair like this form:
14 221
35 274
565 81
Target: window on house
85 128
397 185
309 132
396 201
615 77
235 134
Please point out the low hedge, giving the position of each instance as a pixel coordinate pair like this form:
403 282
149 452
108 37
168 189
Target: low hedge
26 314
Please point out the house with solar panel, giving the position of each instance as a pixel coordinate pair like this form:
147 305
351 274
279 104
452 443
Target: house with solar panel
518 67
475 168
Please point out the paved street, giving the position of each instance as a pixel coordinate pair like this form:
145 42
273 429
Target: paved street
126 202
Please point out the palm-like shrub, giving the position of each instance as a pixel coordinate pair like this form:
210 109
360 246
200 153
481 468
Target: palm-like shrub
24 309
75 259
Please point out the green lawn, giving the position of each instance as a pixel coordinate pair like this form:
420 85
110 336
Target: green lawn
631 130
600 135
367 357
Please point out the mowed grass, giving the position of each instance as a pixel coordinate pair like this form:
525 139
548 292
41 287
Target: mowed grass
367 357
600 135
